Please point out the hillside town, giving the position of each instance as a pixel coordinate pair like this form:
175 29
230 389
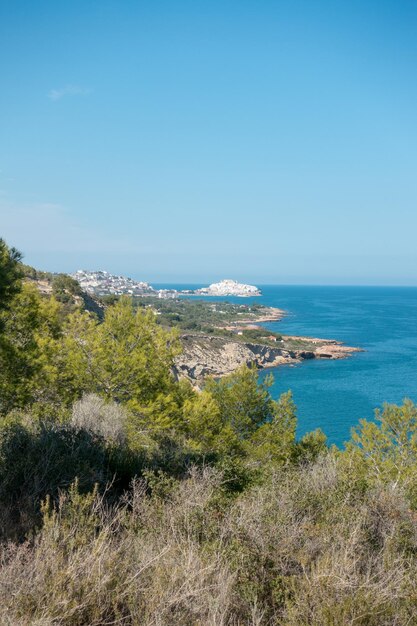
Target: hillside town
229 287
102 283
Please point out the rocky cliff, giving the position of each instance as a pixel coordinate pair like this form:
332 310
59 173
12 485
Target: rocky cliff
205 355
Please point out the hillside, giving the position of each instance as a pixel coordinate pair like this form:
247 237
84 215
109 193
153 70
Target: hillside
65 289
217 337
129 497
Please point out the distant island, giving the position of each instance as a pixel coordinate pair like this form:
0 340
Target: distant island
102 283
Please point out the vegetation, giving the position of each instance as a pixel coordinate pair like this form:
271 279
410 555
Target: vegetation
236 322
126 497
253 335
10 274
190 314
35 274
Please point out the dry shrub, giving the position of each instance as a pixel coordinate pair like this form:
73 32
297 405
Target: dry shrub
142 563
41 459
315 550
309 547
106 419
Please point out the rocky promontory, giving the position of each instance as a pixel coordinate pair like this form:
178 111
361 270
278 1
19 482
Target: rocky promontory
228 287
205 355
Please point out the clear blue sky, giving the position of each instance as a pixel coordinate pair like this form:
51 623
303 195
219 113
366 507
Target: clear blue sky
190 141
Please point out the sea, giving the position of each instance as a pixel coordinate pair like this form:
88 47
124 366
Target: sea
335 395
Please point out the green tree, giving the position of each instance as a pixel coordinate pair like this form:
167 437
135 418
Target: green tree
273 442
31 326
244 403
236 416
64 284
387 448
127 358
10 274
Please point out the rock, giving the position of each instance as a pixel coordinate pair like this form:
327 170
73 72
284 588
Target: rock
205 355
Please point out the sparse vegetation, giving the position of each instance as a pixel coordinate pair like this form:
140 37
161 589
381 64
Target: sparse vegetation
200 315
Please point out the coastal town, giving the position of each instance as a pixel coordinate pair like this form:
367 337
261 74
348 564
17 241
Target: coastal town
102 283
229 287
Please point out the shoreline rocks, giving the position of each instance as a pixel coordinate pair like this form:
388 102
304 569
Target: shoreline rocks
205 355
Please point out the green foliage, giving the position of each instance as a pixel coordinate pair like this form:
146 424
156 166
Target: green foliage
37 460
248 422
30 326
126 358
244 404
10 274
252 335
312 445
387 448
203 422
67 291
191 314
273 442
62 285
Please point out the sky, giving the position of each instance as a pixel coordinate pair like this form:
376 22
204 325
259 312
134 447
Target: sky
175 141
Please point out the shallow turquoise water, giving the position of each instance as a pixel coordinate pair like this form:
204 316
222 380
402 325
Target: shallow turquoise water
334 395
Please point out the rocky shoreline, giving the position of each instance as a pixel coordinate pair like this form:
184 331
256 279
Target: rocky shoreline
205 355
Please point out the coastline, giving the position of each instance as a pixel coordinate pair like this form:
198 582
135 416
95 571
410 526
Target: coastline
219 355
207 355
242 341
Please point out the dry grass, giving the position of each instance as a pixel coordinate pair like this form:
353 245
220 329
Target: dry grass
308 548
326 553
141 563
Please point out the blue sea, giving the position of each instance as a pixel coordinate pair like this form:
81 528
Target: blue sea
334 395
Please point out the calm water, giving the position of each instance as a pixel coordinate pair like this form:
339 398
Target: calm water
334 395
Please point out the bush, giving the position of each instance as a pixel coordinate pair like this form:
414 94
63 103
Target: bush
305 548
138 564
41 459
105 419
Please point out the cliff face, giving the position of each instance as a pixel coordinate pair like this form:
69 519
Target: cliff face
204 355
